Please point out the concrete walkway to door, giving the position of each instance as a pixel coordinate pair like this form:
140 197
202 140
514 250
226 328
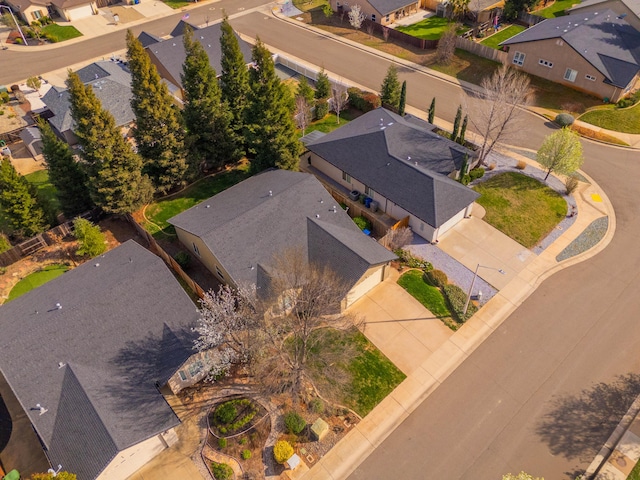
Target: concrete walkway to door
400 326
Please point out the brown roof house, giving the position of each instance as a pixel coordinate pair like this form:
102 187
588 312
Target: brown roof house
627 9
595 52
83 360
68 10
384 12
398 162
237 233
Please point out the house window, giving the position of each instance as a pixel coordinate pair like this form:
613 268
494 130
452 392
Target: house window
37 14
346 177
387 19
570 75
183 376
590 77
373 17
309 160
219 273
195 248
195 368
368 192
518 58
545 63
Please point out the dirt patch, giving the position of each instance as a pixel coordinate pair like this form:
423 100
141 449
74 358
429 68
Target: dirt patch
12 118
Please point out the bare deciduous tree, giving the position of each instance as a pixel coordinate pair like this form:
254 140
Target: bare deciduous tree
496 117
399 237
447 45
356 17
339 99
302 113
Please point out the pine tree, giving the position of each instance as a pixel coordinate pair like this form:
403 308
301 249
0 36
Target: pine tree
65 173
305 91
323 85
210 137
456 124
158 131
403 99
463 130
234 76
271 129
390 89
18 202
116 182
432 110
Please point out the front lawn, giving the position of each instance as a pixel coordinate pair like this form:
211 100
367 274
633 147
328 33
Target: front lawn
430 28
556 9
426 294
58 33
176 4
625 120
521 207
494 40
157 213
36 279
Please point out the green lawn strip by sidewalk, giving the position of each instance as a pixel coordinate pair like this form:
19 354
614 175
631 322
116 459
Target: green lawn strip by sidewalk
521 207
635 473
36 279
60 33
494 40
426 294
177 4
556 9
431 28
625 120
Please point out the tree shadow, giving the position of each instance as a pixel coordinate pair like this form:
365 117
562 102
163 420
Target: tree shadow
578 424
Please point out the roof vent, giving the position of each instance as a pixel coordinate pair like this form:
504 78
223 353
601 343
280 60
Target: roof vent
317 215
41 409
270 193
415 163
61 364
174 44
58 306
97 265
252 267
388 163
389 124
208 206
334 209
381 121
321 201
201 37
382 128
96 76
409 158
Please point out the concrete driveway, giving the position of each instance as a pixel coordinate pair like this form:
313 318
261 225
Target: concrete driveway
396 323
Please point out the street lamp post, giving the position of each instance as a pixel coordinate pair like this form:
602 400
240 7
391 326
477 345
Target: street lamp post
16 22
475 275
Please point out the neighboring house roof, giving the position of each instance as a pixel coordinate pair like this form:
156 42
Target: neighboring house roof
245 226
603 39
22 5
111 83
389 6
148 39
179 28
124 323
633 5
70 3
170 53
403 160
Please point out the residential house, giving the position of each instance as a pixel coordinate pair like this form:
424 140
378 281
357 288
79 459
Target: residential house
237 233
111 82
168 55
68 10
384 12
627 9
595 52
401 164
83 359
29 10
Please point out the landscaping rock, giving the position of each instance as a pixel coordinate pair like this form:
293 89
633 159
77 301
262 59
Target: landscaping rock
319 429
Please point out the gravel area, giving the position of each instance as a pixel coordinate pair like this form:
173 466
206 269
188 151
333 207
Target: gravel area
586 240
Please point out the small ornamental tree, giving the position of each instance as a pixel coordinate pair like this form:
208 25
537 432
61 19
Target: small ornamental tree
390 89
447 45
90 238
323 85
282 451
4 243
34 83
403 99
294 422
432 110
356 17
561 152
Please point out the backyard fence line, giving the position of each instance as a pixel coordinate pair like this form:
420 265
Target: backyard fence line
154 247
481 50
530 19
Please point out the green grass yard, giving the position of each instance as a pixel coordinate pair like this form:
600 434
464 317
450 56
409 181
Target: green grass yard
431 28
426 294
635 473
47 193
58 33
625 120
556 9
176 4
330 122
494 40
36 279
521 207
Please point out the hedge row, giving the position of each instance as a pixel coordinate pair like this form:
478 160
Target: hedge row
362 100
457 297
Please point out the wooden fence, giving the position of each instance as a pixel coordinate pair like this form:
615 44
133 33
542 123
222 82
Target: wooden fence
481 50
530 19
168 259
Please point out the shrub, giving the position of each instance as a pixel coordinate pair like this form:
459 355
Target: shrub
625 102
437 278
183 259
570 185
521 165
476 173
564 119
491 166
362 223
411 261
294 423
465 179
18 41
222 442
246 454
322 108
226 412
282 451
399 237
316 405
363 101
90 238
221 471
4 243
456 297
4 97
3 270
243 441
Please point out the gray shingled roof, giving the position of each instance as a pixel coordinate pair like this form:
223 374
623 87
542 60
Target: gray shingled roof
245 227
111 82
403 160
170 53
633 5
607 42
148 39
389 6
124 324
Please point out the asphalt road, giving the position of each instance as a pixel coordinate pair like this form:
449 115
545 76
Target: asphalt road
544 391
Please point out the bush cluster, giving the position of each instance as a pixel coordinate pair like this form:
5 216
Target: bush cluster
362 223
4 97
362 100
316 405
221 471
629 101
476 173
282 451
456 298
246 454
294 423
465 179
183 259
322 109
222 442
564 119
4 243
226 412
570 184
436 278
411 261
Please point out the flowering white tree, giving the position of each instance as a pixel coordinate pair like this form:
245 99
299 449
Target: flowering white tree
356 17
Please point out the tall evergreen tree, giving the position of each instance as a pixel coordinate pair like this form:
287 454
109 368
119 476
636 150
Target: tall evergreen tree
65 173
463 130
116 181
234 76
270 126
210 137
305 91
403 99
18 202
390 89
432 110
158 131
456 124
323 85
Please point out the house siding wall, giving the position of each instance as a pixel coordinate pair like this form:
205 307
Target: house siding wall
372 277
616 5
205 255
563 57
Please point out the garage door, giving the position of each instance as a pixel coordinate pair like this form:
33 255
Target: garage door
364 286
82 11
